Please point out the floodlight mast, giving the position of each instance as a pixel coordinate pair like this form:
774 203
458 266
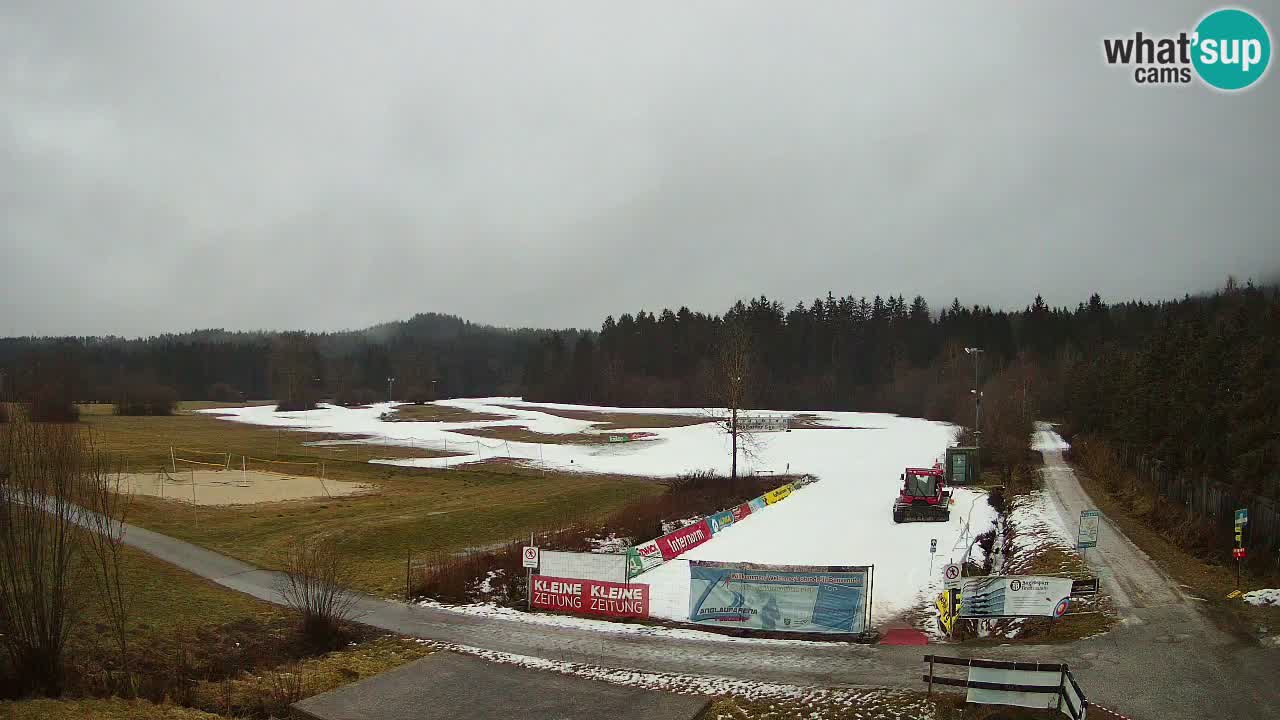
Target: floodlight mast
977 396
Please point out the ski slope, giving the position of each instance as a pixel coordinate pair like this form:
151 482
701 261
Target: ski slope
844 519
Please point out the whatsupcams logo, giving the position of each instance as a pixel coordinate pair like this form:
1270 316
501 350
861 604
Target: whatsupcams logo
1229 49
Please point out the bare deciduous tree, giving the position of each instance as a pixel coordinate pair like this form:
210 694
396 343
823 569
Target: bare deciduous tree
315 582
727 386
106 503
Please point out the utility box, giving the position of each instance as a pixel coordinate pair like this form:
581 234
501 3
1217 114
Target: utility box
963 466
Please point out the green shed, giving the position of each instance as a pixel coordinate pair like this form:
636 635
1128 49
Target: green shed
963 466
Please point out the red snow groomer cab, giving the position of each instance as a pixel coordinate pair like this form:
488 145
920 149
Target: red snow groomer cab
924 497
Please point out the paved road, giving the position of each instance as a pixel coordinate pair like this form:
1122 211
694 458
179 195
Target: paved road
1164 662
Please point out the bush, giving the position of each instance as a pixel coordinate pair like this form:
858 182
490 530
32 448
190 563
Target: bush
52 402
224 392
417 394
316 578
350 397
143 398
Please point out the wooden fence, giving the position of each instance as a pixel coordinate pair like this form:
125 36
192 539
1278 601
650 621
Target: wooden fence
1210 499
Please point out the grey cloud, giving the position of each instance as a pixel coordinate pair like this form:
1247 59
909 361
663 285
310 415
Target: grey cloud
257 165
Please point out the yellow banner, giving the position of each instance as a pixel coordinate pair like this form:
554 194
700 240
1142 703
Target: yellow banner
945 618
777 494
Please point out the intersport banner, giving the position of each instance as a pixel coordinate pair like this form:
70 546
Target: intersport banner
720 521
676 543
779 598
590 597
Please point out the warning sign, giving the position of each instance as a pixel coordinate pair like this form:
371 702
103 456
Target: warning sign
951 576
530 556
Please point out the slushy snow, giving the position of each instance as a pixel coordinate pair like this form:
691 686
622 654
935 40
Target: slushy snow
843 519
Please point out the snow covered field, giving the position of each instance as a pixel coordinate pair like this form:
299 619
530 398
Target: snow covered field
844 519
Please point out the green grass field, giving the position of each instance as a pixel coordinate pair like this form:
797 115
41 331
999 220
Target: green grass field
415 511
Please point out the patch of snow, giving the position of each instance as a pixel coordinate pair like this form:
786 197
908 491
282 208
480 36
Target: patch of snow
901 703
846 519
1267 597
1046 439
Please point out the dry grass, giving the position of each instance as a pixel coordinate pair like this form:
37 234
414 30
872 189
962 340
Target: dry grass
440 413
416 510
520 433
260 694
621 420
99 709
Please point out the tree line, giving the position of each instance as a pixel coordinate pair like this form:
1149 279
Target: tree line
1195 382
429 356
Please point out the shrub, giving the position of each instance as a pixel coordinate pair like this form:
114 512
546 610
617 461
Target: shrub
350 397
52 402
224 392
316 578
145 398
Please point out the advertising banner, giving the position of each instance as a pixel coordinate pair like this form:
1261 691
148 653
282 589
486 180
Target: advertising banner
779 598
1015 596
642 557
590 597
720 521
777 494
584 566
673 544
758 504
740 512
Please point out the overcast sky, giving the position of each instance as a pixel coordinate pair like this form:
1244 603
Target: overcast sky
173 165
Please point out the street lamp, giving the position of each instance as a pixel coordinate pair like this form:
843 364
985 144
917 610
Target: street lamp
977 396
390 380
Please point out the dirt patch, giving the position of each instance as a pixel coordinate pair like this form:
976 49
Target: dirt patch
234 487
439 413
812 421
620 420
521 433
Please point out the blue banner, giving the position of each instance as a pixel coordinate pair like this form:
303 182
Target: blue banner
779 598
758 504
720 521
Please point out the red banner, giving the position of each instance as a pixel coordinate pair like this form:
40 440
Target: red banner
591 597
740 512
686 538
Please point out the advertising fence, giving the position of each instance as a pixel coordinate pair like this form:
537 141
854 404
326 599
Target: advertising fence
781 598
605 567
646 556
590 597
677 542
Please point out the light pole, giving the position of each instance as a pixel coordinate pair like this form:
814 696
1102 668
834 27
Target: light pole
977 396
390 380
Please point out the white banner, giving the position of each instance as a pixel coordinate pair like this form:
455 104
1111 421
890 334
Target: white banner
1014 596
583 566
762 423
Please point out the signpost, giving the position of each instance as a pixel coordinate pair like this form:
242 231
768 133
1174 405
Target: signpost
1238 552
951 576
1090 520
529 557
1087 586
933 549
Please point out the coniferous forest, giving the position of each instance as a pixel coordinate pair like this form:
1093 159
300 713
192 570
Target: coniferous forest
1194 382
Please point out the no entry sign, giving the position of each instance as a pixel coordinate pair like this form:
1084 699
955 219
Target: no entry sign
530 556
